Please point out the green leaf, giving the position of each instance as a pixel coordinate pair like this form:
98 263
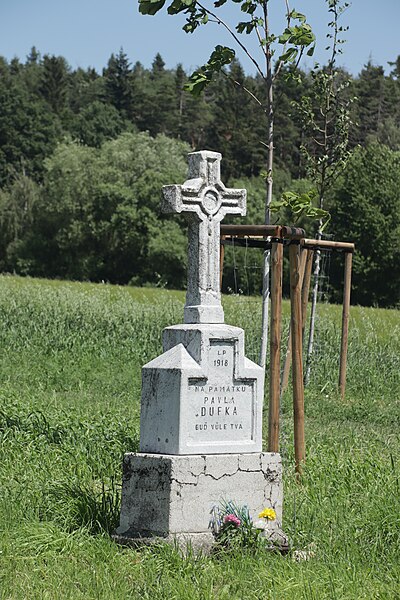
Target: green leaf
248 7
245 25
289 55
190 27
176 7
222 54
285 36
302 204
310 51
150 7
276 205
300 35
298 16
196 83
199 80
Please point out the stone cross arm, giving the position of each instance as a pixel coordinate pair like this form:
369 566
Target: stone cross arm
206 201
203 192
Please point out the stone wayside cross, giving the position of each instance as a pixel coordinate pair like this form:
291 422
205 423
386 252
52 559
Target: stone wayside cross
205 201
202 398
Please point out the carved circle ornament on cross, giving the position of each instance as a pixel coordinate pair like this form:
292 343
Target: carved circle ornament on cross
211 201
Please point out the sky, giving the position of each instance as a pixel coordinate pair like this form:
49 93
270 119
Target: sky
86 32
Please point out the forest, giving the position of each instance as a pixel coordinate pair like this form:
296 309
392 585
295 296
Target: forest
83 157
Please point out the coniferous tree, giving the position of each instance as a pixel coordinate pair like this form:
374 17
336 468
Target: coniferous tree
118 88
32 73
158 66
28 130
237 125
33 57
15 66
140 90
194 114
54 82
160 111
371 103
85 87
389 129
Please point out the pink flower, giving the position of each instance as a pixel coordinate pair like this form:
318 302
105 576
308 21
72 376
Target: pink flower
232 519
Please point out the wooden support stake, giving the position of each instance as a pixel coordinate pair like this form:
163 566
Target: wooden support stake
288 357
275 346
287 363
221 261
297 354
345 323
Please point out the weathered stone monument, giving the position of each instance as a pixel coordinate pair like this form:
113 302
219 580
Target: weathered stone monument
201 407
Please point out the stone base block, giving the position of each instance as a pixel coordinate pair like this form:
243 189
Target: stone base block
197 542
171 497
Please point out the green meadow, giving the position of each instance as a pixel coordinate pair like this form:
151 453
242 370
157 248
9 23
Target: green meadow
71 357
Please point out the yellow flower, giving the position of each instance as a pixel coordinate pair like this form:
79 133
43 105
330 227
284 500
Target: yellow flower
267 513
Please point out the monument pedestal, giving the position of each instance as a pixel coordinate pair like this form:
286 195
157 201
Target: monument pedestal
171 497
202 396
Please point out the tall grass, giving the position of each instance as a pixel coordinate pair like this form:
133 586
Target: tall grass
69 408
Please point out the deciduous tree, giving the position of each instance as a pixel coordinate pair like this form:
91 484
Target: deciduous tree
365 209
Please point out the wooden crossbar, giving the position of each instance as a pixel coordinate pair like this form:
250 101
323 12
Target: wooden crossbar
273 231
251 230
327 245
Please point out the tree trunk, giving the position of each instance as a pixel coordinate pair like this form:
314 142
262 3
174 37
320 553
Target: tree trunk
267 253
317 269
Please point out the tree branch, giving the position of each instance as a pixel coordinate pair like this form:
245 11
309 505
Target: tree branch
235 37
245 89
264 51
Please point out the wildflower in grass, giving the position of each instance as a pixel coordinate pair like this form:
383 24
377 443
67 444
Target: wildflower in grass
233 526
267 513
233 519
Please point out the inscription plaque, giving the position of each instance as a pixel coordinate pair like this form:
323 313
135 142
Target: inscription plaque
221 408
